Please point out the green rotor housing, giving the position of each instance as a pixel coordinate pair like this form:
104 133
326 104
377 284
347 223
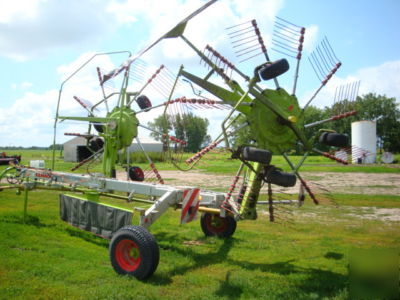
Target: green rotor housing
271 131
119 134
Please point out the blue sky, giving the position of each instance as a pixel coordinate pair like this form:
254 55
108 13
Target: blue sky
42 41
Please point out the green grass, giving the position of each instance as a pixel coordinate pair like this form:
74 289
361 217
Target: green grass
217 163
303 257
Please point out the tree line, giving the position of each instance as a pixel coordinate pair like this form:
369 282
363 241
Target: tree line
381 109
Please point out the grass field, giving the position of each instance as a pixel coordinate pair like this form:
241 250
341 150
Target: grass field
220 163
305 255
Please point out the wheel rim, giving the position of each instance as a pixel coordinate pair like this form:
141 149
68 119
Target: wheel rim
127 254
216 224
139 173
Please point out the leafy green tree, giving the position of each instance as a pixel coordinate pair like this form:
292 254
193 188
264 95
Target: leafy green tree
242 136
189 128
385 111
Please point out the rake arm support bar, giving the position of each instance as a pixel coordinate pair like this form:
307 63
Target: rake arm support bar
89 119
330 156
334 118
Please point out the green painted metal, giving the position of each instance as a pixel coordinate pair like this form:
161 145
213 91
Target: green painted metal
26 191
118 135
250 198
229 97
271 131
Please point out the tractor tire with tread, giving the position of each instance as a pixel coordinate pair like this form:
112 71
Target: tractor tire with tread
256 155
334 139
275 69
134 251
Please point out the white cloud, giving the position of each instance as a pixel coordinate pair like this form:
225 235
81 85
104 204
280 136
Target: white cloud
29 28
383 79
23 85
53 24
18 9
310 38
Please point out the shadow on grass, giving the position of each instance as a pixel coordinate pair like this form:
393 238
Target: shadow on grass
200 260
309 280
322 282
87 236
19 219
333 255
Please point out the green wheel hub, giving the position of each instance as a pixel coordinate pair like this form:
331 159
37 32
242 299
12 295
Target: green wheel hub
271 132
124 130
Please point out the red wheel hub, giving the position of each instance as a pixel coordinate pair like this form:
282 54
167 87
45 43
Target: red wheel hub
216 224
127 254
139 173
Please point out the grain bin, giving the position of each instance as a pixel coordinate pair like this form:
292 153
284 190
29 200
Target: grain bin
363 141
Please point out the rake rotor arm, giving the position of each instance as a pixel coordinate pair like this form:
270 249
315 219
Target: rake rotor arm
89 119
330 156
334 118
303 182
228 97
214 66
153 168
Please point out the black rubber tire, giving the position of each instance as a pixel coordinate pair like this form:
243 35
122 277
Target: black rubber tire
131 241
136 173
273 70
256 155
334 139
99 127
96 144
214 225
281 178
143 102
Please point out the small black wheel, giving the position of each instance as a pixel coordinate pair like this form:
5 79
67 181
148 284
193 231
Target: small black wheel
214 225
143 102
96 144
99 127
273 70
280 178
134 251
256 155
136 174
334 139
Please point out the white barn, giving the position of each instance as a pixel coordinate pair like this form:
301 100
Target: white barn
149 145
71 147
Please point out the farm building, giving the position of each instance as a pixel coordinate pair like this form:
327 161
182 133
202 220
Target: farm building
75 149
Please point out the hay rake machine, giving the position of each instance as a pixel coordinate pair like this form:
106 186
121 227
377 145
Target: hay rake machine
273 116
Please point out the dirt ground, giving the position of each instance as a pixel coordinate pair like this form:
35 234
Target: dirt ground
344 183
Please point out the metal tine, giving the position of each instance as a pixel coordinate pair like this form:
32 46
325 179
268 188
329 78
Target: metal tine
286 21
285 37
326 48
290 38
313 67
316 63
237 25
250 57
330 49
286 28
318 56
322 58
284 46
249 30
252 50
335 97
282 52
244 49
246 38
